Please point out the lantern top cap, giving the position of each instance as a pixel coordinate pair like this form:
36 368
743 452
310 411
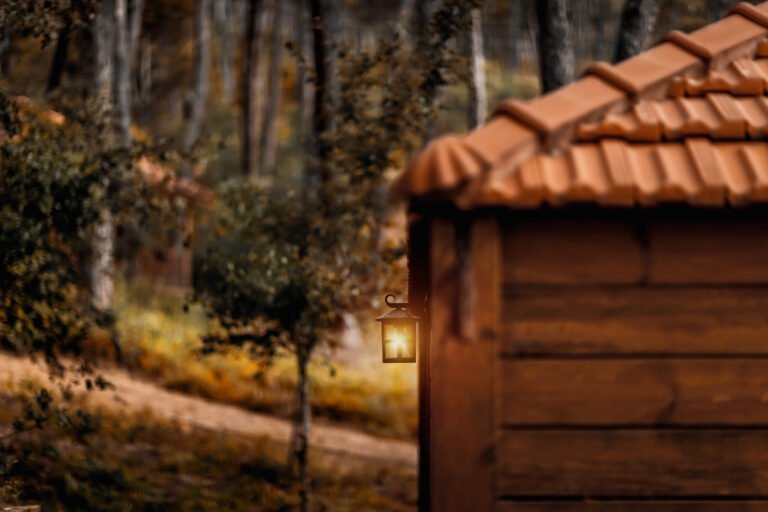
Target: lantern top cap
399 310
398 314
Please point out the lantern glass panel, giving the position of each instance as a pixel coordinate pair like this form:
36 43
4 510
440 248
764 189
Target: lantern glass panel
399 340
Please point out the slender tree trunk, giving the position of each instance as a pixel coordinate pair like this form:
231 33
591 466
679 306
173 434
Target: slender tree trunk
716 9
516 30
638 20
5 52
300 435
332 27
272 106
478 100
102 257
144 78
199 96
249 140
423 10
405 18
135 18
556 62
122 81
600 39
303 87
59 61
320 111
433 94
222 13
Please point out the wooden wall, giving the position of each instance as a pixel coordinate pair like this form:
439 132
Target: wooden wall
171 267
606 365
634 366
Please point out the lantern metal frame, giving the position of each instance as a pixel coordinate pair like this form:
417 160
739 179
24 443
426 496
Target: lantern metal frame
399 316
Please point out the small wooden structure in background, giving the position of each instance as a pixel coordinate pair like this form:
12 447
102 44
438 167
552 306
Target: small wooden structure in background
592 271
170 265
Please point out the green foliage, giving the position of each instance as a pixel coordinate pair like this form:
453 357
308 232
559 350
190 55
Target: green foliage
44 18
50 192
283 266
264 281
53 176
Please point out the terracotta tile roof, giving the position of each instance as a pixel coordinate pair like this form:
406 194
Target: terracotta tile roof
685 121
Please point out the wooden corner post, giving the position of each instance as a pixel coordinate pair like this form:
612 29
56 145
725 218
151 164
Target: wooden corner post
418 290
464 305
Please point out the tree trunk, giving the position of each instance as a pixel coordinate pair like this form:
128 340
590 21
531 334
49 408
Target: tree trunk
638 20
516 30
331 24
199 96
423 10
272 106
478 100
222 14
303 87
135 18
320 111
406 19
249 140
102 250
103 55
300 435
6 47
556 64
600 43
144 78
716 9
122 81
59 61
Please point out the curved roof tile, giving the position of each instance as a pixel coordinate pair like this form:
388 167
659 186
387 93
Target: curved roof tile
681 122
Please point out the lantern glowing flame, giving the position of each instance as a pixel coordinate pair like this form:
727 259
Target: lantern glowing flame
399 334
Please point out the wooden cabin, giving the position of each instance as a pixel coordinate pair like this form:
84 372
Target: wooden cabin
591 270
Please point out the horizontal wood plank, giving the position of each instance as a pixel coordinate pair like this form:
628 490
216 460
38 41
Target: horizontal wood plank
642 392
633 506
708 253
574 253
648 463
637 321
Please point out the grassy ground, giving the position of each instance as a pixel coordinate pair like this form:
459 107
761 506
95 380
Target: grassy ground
142 464
160 340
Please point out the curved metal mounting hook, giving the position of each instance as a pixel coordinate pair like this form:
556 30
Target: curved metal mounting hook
389 300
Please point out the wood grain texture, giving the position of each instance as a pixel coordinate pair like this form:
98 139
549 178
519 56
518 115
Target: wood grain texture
577 253
637 321
643 392
572 253
462 428
647 463
708 253
634 506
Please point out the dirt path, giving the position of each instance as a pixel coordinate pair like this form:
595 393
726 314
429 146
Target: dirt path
138 395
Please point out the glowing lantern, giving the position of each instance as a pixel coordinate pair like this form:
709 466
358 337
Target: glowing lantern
398 333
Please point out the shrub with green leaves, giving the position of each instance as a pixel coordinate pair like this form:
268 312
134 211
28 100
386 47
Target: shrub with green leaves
52 191
50 194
